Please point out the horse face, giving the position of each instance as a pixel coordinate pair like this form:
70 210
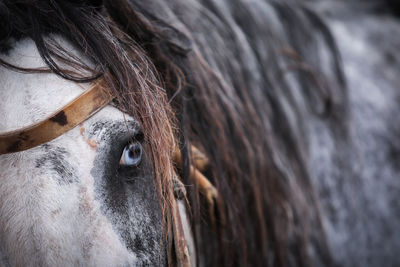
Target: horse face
73 201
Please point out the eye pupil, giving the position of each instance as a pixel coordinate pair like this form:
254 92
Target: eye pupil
132 154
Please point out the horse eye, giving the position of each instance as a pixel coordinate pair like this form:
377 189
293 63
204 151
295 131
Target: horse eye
132 154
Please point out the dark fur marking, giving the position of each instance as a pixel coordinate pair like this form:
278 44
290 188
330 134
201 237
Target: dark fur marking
60 118
135 203
54 159
393 145
138 244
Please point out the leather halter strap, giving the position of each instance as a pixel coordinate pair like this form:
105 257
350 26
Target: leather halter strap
80 109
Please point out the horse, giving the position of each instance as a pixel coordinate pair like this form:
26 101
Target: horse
209 133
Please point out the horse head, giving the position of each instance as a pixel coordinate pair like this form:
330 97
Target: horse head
89 196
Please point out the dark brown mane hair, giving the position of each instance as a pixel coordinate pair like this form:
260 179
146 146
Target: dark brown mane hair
220 77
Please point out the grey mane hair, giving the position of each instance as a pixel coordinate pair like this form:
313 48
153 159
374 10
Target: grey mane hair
275 64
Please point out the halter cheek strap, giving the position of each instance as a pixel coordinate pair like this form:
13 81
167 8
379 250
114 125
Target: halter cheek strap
80 109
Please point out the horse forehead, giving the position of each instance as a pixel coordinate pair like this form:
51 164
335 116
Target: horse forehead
28 98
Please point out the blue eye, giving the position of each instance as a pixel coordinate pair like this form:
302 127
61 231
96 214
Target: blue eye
132 154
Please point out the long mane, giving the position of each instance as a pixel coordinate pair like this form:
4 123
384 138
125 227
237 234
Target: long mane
235 78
